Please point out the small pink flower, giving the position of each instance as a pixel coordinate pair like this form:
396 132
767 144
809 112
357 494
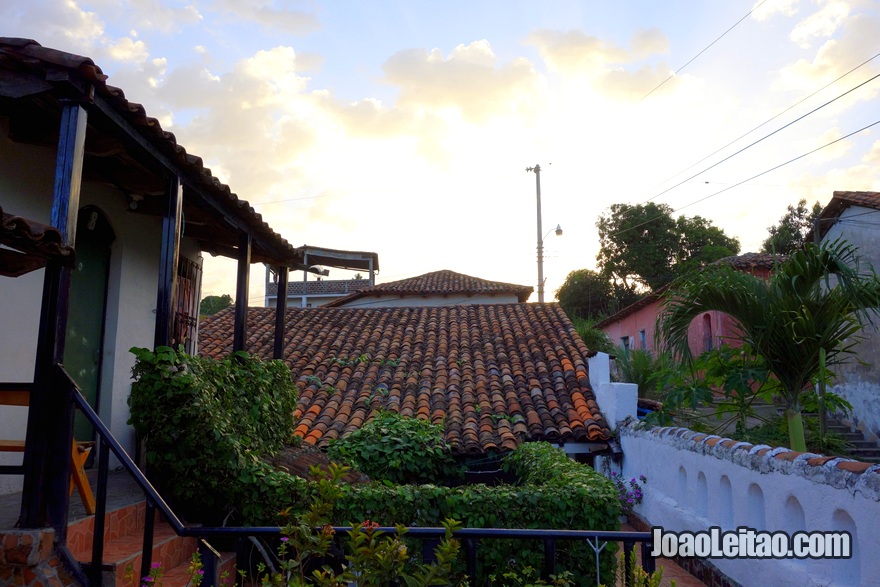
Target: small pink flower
284 539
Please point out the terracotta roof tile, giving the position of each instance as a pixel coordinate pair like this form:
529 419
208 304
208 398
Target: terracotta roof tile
494 375
30 245
437 283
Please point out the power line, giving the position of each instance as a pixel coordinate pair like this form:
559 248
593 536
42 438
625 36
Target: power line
802 100
752 177
781 165
674 73
750 145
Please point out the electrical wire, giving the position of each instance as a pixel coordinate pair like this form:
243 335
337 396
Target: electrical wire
799 102
674 73
739 183
750 145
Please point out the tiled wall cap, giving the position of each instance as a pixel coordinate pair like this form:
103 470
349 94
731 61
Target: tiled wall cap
832 464
778 450
758 447
741 445
712 440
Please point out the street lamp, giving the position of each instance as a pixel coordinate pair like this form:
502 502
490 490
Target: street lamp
537 170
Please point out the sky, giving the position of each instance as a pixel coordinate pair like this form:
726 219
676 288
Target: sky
406 128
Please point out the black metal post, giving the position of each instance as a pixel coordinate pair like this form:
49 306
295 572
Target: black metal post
49 434
149 531
280 311
649 565
470 551
628 562
210 565
549 558
100 514
170 252
239 335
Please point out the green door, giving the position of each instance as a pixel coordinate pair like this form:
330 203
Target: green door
85 322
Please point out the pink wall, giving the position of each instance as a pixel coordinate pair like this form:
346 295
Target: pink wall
714 326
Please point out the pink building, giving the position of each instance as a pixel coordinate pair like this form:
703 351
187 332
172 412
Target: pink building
634 326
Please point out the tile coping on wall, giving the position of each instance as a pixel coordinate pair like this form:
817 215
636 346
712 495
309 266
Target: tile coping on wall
838 472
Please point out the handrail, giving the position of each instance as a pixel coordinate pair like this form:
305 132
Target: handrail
470 536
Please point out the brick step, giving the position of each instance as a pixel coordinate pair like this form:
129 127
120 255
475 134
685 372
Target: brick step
119 522
860 453
865 444
123 545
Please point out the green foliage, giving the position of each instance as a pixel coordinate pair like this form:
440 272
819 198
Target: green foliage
790 321
644 247
595 339
554 492
586 294
206 425
791 231
398 449
641 367
210 305
774 432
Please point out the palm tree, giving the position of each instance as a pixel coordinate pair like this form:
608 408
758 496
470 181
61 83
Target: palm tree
790 320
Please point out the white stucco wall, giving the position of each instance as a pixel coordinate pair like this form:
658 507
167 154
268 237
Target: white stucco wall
695 482
618 401
26 185
858 383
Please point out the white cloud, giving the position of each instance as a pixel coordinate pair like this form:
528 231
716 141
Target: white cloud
769 8
821 24
267 14
468 81
126 49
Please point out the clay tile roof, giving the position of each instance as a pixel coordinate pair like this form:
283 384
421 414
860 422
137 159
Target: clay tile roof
439 283
840 201
31 64
30 245
493 375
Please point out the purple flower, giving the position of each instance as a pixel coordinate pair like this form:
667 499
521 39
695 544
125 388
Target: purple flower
147 580
201 572
284 539
156 566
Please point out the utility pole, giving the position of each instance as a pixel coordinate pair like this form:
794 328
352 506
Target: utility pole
537 170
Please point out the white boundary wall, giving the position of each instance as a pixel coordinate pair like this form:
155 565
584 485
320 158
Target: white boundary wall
697 481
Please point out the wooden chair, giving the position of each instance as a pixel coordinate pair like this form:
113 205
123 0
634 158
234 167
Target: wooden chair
79 451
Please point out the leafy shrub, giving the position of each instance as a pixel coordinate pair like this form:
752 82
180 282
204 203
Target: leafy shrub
595 339
398 449
554 492
207 423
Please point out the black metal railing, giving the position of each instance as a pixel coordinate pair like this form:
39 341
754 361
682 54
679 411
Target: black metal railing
470 537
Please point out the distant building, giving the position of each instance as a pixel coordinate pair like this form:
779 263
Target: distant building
306 293
438 288
852 216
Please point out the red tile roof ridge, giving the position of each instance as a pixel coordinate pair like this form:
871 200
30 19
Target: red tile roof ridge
442 282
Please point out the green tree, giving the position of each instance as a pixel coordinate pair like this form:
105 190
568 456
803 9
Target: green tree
586 294
788 236
643 247
210 305
791 320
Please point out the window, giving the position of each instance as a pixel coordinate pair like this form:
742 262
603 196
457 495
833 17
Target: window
625 342
186 304
643 340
